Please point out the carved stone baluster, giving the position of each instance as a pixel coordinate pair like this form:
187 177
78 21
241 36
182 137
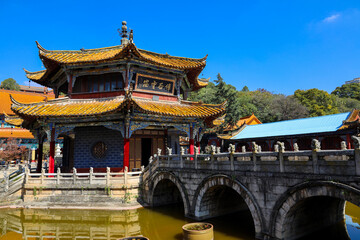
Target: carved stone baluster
169 153
357 154
281 150
158 157
126 171
91 175
316 146
296 149
182 152
58 176
254 150
74 175
213 151
196 157
231 154
108 176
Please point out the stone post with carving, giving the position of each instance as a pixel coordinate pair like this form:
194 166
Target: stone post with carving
357 154
212 158
316 146
281 148
169 152
182 152
231 154
158 157
91 175
254 151
196 152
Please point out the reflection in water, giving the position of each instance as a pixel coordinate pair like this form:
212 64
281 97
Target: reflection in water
353 220
158 224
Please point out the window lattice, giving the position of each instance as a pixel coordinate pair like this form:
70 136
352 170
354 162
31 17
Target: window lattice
99 150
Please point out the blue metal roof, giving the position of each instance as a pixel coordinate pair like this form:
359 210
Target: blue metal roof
329 123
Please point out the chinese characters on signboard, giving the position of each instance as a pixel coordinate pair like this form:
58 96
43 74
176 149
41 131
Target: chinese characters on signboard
147 83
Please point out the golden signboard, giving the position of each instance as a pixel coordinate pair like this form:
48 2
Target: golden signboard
147 83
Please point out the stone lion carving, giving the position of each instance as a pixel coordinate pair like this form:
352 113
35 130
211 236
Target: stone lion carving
315 145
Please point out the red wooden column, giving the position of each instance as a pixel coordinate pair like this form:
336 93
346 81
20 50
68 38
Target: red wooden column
348 140
126 153
191 142
52 151
40 155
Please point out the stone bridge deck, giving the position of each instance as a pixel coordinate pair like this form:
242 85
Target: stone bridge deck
289 194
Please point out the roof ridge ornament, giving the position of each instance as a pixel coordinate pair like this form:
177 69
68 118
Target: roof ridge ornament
124 33
131 36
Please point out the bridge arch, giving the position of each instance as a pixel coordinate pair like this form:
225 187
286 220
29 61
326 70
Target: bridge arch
168 178
324 199
220 180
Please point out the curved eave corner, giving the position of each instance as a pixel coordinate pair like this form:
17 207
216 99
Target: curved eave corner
35 76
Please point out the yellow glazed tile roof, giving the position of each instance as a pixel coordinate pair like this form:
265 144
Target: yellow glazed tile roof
24 97
66 107
12 120
109 53
15 133
53 58
35 76
352 121
184 109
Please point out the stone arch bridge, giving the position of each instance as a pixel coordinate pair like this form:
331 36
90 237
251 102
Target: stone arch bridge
289 194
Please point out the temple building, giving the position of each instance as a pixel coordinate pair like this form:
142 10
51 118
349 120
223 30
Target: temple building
330 130
122 103
214 137
10 125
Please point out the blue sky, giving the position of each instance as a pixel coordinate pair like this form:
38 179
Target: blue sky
278 45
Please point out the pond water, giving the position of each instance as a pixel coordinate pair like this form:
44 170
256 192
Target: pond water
162 223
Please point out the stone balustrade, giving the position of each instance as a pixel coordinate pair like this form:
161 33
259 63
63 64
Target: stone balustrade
107 178
316 161
63 188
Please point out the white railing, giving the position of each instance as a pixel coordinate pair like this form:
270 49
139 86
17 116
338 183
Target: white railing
107 178
316 161
12 182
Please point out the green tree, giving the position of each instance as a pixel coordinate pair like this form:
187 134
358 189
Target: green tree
218 93
228 93
10 84
262 100
347 104
245 89
246 103
351 90
318 102
287 107
205 95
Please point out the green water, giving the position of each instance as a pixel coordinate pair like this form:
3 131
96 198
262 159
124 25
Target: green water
157 224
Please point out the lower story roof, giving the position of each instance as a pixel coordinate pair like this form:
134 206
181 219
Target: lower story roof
15 133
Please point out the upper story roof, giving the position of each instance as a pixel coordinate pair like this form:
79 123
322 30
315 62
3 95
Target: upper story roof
322 124
53 59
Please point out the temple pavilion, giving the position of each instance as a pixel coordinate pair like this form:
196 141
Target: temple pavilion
117 105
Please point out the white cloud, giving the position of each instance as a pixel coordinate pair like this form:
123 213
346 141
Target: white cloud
331 18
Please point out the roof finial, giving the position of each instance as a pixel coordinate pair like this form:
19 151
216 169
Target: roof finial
123 34
131 36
